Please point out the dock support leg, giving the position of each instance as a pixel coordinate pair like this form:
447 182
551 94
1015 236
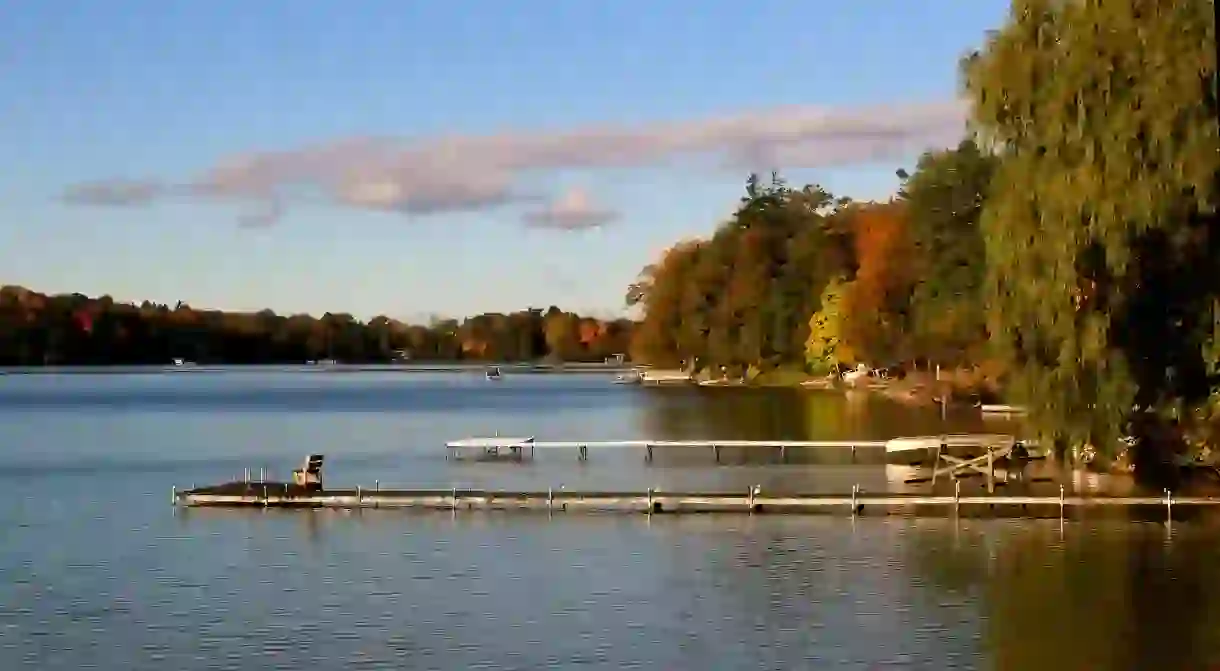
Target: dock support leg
853 454
1061 503
1168 506
648 454
750 499
650 501
957 494
266 499
990 471
174 495
783 454
550 500
359 497
455 501
855 492
582 453
716 453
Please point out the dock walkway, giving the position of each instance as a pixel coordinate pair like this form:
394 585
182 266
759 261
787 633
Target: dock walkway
523 447
650 501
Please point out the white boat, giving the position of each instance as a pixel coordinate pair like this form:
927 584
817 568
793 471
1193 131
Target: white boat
1002 409
853 376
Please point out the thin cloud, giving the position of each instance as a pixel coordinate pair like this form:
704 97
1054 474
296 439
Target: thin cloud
572 211
113 192
436 175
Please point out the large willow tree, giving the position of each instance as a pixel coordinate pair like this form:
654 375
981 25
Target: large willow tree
1100 228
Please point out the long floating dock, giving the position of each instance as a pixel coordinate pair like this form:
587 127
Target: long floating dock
287 495
523 447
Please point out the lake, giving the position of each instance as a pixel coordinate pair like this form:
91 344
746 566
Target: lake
99 571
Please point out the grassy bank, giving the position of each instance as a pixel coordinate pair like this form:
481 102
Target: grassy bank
918 387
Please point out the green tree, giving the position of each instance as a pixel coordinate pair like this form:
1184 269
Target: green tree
944 198
1100 227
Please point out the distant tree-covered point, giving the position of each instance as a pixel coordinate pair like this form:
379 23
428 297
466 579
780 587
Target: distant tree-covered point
73 329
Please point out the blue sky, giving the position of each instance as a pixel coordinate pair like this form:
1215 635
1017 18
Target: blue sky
108 90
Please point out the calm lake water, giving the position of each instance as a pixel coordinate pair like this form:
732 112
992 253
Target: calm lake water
99 571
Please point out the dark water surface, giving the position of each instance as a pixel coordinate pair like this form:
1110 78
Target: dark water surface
98 571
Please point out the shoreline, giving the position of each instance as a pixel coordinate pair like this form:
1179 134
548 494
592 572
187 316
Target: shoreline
915 389
474 367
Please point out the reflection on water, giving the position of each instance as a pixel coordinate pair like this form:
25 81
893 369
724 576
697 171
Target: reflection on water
1106 596
99 571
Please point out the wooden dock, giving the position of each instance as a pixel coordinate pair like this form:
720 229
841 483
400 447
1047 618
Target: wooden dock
521 448
650 501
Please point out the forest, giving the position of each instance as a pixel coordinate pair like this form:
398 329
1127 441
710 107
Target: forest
1069 245
72 329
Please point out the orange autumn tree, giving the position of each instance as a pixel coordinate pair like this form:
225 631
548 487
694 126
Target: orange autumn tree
876 302
659 292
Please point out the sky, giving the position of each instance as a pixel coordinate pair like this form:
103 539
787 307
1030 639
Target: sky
418 158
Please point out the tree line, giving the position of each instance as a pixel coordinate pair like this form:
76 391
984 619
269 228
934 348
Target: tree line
802 279
72 329
1070 242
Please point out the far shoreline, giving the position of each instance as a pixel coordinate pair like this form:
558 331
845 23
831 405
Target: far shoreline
421 367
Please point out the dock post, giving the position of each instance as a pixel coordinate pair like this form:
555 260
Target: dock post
650 501
783 454
1168 506
175 495
266 499
648 453
716 453
750 498
550 500
1061 503
359 496
990 470
455 503
582 452
854 491
957 494
853 454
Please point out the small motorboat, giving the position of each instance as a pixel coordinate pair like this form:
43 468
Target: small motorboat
493 373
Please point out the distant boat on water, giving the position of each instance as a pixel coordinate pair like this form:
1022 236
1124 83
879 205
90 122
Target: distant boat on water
627 378
493 373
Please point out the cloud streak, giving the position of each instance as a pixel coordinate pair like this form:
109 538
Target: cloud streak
572 211
444 174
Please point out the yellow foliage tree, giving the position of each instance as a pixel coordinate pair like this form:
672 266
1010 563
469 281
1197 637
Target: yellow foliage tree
825 347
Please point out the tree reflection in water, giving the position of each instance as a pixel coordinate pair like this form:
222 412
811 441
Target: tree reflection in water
1104 595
